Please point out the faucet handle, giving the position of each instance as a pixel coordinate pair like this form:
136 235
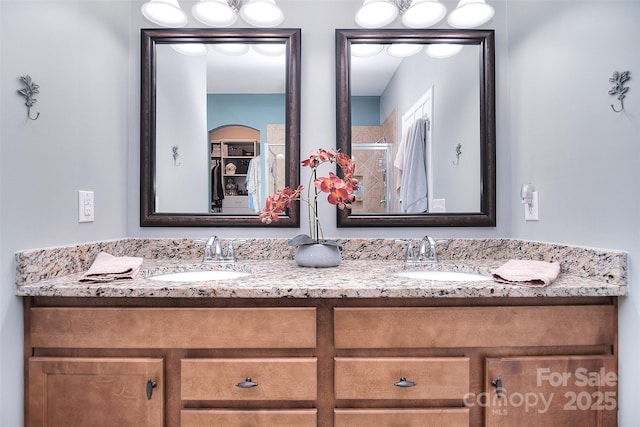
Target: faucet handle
409 255
231 254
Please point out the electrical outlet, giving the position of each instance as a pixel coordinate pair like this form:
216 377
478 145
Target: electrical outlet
531 211
86 208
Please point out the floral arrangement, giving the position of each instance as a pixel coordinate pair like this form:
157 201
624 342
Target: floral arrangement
340 193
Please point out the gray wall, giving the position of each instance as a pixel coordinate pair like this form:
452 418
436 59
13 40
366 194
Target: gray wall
555 129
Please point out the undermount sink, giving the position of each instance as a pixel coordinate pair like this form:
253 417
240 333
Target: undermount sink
441 276
200 276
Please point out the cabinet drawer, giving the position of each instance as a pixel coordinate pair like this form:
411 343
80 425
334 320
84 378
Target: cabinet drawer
64 327
441 417
276 379
439 327
243 418
376 378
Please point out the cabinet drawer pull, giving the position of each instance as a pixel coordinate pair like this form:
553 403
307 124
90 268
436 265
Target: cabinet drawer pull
404 383
150 386
247 383
497 383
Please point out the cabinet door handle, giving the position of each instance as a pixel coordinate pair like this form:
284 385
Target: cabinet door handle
404 383
497 383
247 383
150 386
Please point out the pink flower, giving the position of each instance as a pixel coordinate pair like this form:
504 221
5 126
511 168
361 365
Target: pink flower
339 190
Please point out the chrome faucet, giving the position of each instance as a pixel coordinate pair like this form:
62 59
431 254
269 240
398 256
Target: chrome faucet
213 250
431 255
426 251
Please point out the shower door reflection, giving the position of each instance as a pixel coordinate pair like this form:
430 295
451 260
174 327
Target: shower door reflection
373 171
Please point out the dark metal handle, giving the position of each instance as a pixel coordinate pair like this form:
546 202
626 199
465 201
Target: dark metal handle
247 383
404 383
497 383
150 386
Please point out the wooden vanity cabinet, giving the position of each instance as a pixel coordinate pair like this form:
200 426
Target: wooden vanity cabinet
320 362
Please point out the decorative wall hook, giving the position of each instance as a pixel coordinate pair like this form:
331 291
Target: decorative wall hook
458 153
29 90
175 155
618 80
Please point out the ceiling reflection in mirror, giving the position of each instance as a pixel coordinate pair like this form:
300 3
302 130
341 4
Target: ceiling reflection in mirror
225 108
415 113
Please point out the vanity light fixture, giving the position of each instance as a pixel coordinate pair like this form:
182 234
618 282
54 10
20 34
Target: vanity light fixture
216 13
470 14
262 13
422 13
377 13
166 13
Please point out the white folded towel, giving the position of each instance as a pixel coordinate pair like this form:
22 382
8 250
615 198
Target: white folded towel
527 272
106 268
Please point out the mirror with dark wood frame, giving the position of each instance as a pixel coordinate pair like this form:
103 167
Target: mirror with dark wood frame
420 126
209 122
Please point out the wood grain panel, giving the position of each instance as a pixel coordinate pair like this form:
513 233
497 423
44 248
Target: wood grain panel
374 378
61 390
551 391
249 418
435 327
277 379
440 417
290 327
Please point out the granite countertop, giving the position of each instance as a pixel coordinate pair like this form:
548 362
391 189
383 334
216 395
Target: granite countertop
364 273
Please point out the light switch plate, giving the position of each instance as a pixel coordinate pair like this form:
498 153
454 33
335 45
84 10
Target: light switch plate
86 207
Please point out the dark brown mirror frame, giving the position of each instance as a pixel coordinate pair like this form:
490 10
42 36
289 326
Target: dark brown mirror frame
149 39
486 217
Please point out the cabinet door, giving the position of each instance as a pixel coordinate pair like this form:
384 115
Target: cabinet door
566 391
68 392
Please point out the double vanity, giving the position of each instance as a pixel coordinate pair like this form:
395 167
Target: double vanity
374 341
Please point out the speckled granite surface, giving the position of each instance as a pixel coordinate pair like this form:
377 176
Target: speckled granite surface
364 272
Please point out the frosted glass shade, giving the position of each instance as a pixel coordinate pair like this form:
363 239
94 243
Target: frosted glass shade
376 13
166 13
262 13
214 13
423 13
470 14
